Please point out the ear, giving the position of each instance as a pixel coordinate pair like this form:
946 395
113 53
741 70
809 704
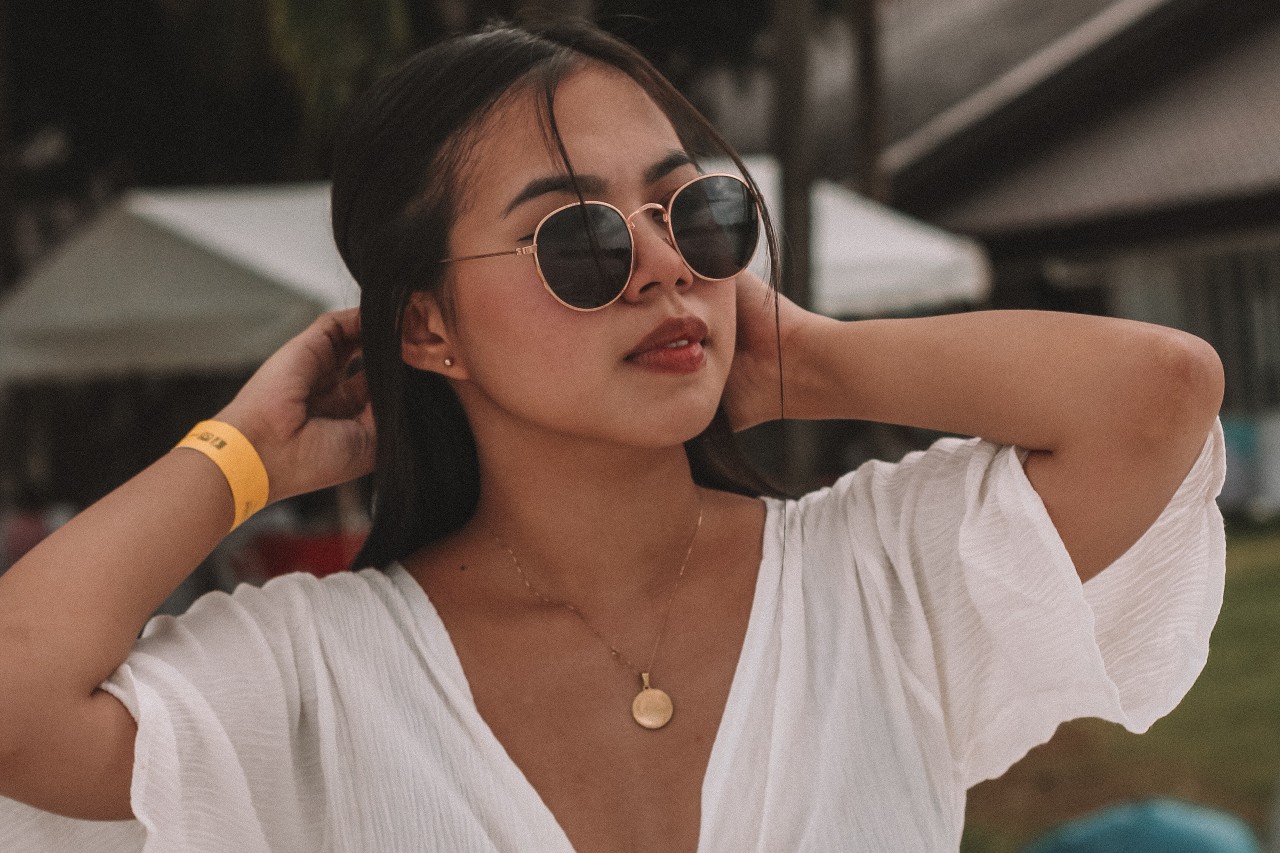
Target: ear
425 340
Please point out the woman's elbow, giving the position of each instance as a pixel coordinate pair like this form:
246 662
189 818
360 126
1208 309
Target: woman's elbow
1181 389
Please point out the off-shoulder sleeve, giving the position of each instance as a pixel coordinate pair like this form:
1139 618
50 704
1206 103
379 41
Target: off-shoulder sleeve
215 693
998 640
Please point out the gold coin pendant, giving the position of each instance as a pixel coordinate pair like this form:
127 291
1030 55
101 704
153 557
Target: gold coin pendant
651 708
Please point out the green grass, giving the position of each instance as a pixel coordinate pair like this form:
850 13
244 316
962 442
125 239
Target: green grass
1220 747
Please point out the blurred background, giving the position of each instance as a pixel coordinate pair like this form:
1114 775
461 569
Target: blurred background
163 219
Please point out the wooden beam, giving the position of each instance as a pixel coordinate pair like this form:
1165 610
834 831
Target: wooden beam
1051 82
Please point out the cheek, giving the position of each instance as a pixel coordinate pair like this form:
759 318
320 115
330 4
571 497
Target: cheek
723 296
531 357
524 349
718 306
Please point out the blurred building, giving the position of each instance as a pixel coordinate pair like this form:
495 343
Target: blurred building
1113 156
1129 166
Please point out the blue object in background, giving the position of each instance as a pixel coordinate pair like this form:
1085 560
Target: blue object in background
1242 486
1152 826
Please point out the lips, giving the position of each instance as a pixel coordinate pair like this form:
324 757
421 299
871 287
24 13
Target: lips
674 347
676 333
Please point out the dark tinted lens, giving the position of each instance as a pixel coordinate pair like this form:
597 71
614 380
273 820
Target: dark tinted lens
716 225
584 253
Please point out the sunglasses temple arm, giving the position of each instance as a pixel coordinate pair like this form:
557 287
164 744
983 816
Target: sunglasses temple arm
523 250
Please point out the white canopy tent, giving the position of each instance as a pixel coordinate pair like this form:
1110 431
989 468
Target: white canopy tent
212 280
868 259
177 281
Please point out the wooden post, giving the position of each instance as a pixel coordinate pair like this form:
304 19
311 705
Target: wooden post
8 207
791 141
868 112
793 148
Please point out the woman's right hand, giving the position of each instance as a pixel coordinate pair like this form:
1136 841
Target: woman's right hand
306 413
71 609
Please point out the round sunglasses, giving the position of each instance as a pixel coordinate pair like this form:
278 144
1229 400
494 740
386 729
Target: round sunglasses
585 253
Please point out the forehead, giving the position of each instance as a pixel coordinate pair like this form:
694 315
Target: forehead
609 125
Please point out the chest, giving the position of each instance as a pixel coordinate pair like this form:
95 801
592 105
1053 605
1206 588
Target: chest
560 705
816 749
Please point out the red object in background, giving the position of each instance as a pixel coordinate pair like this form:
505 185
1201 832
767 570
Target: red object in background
19 533
320 554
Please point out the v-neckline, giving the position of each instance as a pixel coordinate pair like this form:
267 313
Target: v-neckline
732 718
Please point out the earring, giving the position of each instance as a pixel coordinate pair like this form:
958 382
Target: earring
448 362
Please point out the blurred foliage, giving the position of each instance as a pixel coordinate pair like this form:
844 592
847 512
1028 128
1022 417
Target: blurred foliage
233 91
106 96
681 37
153 91
331 50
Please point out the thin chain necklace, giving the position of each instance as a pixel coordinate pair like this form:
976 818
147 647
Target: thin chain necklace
652 708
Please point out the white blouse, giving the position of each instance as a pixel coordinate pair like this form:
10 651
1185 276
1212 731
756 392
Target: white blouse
915 629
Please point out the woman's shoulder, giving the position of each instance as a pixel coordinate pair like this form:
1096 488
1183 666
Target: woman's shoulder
292 603
951 466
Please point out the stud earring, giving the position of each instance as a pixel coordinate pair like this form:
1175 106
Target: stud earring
448 362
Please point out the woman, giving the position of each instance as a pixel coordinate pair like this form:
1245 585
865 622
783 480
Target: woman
561 527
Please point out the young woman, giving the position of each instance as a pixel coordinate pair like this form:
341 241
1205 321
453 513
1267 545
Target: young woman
582 628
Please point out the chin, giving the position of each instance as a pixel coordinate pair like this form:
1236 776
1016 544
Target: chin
654 431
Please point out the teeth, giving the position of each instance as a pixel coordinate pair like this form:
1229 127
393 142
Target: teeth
683 342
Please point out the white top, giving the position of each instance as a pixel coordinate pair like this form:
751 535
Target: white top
920 628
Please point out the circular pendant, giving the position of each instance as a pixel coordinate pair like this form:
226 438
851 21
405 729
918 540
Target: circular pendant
651 708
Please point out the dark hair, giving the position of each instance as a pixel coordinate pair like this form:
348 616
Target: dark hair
395 187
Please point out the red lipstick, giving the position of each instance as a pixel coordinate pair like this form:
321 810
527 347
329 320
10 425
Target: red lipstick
675 346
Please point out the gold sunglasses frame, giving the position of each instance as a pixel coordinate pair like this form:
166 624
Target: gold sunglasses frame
532 248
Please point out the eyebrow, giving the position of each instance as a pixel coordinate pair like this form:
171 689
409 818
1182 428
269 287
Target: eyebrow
674 160
593 184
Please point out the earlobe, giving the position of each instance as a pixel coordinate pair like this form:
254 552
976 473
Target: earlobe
425 340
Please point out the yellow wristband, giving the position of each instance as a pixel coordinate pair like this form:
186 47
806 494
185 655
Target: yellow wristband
239 462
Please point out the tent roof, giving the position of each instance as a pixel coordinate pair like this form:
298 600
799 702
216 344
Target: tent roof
869 259
280 232
177 281
213 280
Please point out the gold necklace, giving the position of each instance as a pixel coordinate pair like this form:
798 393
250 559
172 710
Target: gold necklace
652 708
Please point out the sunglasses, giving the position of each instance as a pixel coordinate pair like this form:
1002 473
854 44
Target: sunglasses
585 252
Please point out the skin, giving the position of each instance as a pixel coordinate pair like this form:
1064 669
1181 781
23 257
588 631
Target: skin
584 476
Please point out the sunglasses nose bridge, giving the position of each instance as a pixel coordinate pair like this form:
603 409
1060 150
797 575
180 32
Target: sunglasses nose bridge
666 221
653 266
653 205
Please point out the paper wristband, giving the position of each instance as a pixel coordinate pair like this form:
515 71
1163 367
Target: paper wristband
238 461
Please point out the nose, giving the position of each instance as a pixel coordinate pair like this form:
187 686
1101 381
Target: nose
656 263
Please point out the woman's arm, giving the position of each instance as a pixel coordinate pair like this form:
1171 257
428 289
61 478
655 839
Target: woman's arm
71 609
1114 411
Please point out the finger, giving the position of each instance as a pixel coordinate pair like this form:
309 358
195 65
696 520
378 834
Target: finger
342 330
344 399
327 383
355 443
326 345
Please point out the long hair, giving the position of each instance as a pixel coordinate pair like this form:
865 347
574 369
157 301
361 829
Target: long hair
395 194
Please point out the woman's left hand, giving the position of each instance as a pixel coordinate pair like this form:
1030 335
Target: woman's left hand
751 394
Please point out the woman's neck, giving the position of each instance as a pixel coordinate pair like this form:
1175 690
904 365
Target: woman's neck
589 523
